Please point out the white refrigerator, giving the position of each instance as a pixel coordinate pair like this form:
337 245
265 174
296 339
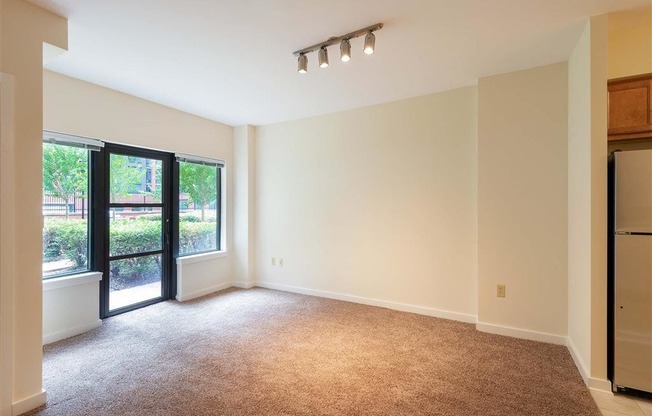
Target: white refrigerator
632 270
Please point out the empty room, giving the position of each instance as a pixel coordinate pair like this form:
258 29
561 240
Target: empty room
293 207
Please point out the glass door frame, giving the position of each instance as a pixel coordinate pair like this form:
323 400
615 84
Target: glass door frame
101 208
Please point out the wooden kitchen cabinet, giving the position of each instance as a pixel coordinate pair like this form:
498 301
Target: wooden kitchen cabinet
630 107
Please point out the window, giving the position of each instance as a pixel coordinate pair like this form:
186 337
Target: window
199 205
65 204
134 183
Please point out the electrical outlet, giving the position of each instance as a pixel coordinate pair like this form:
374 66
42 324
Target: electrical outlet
280 262
500 291
273 261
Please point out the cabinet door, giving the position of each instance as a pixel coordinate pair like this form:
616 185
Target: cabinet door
630 108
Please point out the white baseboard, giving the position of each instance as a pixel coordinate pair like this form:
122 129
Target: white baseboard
70 332
521 333
591 382
244 285
32 402
373 302
579 363
203 292
600 384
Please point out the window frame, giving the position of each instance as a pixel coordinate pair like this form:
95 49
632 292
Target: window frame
89 145
176 175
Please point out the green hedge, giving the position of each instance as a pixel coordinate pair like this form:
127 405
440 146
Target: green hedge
196 236
67 239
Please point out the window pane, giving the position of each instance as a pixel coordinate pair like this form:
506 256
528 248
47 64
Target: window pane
199 214
135 180
134 280
135 230
65 209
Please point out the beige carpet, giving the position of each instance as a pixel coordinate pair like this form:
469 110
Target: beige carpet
264 352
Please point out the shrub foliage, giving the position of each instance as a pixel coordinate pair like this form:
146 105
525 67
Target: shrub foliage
67 240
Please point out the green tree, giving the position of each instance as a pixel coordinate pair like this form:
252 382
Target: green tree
124 177
155 189
200 183
65 172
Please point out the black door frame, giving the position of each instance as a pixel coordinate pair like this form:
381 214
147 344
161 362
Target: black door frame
100 206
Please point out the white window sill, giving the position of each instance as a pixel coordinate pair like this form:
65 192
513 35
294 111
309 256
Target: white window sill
72 280
198 258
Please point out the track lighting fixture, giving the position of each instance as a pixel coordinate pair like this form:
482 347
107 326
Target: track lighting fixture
345 50
303 64
369 43
345 47
323 57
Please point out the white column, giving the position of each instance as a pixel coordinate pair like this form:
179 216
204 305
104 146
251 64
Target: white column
244 205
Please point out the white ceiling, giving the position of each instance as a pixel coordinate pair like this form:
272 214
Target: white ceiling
230 60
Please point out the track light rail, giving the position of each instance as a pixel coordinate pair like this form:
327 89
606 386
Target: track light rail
333 41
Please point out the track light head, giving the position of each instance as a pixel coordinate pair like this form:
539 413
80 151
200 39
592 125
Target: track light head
369 43
345 50
323 57
303 64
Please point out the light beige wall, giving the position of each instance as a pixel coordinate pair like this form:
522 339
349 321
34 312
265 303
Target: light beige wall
587 203
375 203
7 233
522 199
244 204
579 201
77 107
599 201
629 43
24 28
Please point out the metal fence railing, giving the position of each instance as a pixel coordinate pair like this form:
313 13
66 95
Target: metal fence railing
78 204
55 206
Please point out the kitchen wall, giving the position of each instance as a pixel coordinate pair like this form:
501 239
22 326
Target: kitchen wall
24 28
629 43
522 202
587 203
77 107
376 205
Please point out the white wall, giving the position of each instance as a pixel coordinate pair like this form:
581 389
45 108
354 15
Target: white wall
522 200
374 203
244 205
202 274
579 202
24 28
587 209
70 306
76 107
